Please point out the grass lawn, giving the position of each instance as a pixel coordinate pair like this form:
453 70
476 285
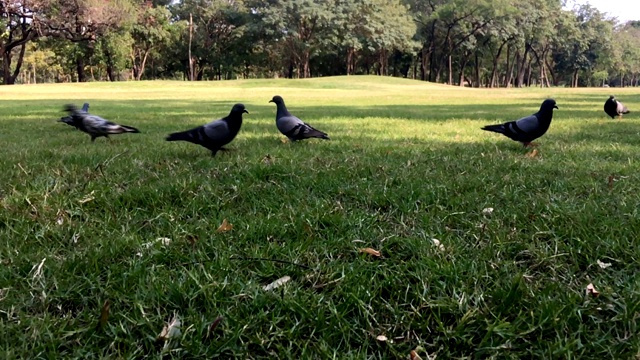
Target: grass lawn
82 223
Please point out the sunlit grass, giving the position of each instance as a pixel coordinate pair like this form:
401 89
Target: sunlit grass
407 163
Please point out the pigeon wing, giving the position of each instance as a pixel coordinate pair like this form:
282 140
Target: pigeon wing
621 109
287 124
528 124
216 131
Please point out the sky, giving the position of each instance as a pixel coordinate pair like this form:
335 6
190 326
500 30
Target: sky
624 10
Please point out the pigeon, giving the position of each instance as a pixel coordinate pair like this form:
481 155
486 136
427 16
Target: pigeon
215 134
94 125
615 108
69 119
292 127
528 128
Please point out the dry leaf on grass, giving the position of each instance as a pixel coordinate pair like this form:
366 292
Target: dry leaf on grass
60 217
610 181
283 140
532 154
37 270
267 159
381 338
171 330
104 313
276 284
87 198
437 243
225 226
591 290
603 265
487 211
413 355
213 326
163 240
370 251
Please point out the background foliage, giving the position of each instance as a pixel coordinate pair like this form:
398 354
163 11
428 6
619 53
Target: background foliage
476 43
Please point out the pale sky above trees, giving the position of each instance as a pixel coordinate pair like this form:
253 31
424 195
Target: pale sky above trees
624 10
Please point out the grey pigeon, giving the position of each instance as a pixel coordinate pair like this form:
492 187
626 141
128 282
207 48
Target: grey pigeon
292 127
528 128
215 134
94 125
615 108
69 119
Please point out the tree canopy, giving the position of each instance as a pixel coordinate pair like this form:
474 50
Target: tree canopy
477 43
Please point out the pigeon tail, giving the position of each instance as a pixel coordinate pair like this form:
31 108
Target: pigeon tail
317 134
182 136
130 129
500 128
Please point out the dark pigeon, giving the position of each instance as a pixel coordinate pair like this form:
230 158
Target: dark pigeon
215 134
69 119
528 128
292 127
96 126
615 108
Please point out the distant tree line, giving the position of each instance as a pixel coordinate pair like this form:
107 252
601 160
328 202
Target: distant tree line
479 43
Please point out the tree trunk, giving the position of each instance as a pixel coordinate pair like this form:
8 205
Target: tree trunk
191 62
510 69
143 63
350 52
463 64
522 68
496 59
553 75
477 71
450 71
80 68
424 57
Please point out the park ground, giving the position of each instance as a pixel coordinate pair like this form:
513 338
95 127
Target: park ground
477 248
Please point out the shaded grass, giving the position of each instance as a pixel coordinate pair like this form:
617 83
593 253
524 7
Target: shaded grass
407 163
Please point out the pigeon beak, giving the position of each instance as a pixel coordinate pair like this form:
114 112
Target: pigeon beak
245 111
270 100
555 106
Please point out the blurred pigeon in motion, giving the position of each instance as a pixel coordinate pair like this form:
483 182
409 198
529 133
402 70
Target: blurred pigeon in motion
528 128
215 134
292 127
94 125
615 108
69 119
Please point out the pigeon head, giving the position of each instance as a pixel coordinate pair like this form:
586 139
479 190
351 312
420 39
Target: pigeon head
548 105
239 108
612 97
277 99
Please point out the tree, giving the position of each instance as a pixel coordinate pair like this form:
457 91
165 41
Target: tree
150 31
84 21
21 22
218 27
301 27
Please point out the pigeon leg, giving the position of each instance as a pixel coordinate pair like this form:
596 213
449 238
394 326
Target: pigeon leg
93 139
529 144
620 117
